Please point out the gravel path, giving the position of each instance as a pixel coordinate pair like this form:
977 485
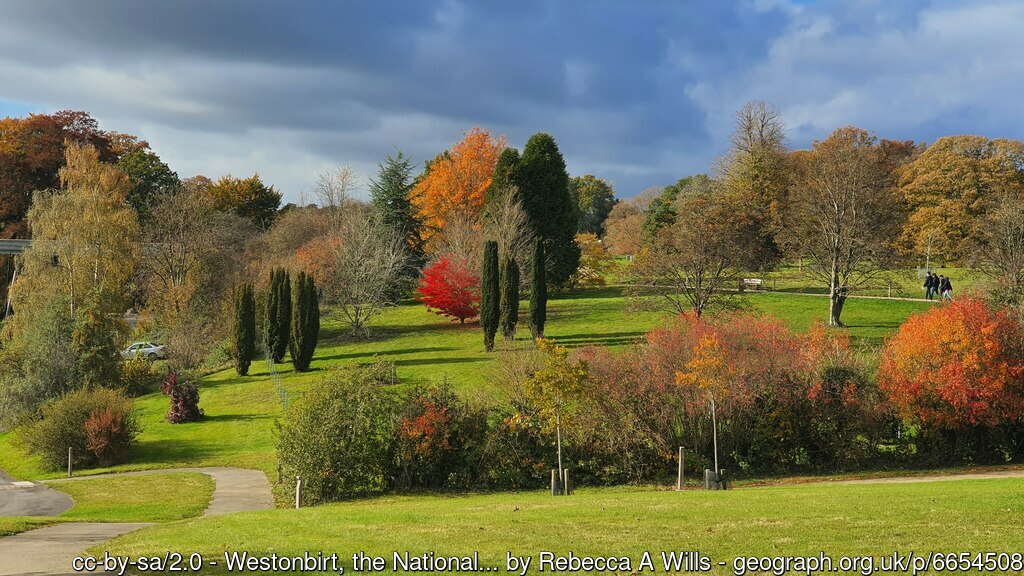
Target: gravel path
50 550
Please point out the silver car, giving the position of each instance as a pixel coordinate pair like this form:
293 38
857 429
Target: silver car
146 350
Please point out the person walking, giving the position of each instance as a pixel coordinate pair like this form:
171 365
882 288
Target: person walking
930 286
946 289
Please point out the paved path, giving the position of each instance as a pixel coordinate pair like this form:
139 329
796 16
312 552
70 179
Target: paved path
938 477
50 550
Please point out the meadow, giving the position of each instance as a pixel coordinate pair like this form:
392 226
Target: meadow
835 519
238 429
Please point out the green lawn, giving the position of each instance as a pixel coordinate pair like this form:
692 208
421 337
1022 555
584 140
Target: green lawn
142 498
239 426
965 515
904 283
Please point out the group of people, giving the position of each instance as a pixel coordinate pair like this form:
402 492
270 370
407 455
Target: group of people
938 285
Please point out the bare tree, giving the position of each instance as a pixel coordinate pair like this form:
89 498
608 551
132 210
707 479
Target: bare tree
507 223
334 189
1000 247
844 213
696 262
463 237
369 263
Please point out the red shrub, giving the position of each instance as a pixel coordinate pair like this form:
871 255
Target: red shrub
449 288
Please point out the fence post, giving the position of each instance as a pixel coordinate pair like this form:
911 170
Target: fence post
679 477
554 482
565 483
298 491
69 461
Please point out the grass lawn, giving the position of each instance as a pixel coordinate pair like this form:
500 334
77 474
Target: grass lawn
239 426
143 498
878 519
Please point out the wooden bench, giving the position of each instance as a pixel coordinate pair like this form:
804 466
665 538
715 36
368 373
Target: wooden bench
752 283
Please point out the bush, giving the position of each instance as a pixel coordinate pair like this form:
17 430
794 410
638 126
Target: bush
96 423
339 436
184 399
138 376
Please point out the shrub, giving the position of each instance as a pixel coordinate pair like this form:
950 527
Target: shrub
509 298
184 399
138 376
244 329
339 436
305 322
96 423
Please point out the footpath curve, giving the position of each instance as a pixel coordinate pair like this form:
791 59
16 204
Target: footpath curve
50 550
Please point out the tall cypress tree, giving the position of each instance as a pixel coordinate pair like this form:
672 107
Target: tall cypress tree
244 329
278 314
544 187
539 292
490 296
509 298
305 322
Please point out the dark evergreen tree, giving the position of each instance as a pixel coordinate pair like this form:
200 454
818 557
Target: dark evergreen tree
490 295
506 172
244 329
539 291
509 298
305 322
279 314
544 188
390 194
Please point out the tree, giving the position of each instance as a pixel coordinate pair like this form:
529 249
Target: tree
305 322
539 291
595 262
594 199
695 262
490 295
624 229
85 239
951 186
1000 247
244 332
97 340
450 288
844 212
544 189
507 223
556 389
506 173
456 181
756 173
247 197
277 321
509 298
391 193
368 265
956 368
661 211
150 177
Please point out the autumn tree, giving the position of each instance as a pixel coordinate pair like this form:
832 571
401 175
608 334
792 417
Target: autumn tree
456 181
624 229
244 329
543 185
595 262
951 187
844 212
756 174
450 288
247 197
695 262
556 389
956 368
85 238
490 295
594 199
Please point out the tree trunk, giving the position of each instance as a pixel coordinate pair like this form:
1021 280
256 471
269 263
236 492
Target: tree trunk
835 307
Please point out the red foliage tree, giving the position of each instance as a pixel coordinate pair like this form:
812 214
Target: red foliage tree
449 288
955 367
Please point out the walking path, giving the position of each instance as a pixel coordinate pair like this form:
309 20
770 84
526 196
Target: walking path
50 550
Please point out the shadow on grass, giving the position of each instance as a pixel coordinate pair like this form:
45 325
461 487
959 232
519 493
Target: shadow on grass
605 338
432 361
385 353
176 450
236 417
581 293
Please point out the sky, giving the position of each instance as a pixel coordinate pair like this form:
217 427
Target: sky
639 93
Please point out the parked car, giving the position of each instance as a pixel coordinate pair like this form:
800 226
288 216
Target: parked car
147 350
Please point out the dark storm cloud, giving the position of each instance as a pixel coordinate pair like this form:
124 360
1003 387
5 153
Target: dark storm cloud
637 92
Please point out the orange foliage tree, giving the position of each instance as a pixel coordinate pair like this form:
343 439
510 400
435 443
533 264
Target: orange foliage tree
956 367
456 180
